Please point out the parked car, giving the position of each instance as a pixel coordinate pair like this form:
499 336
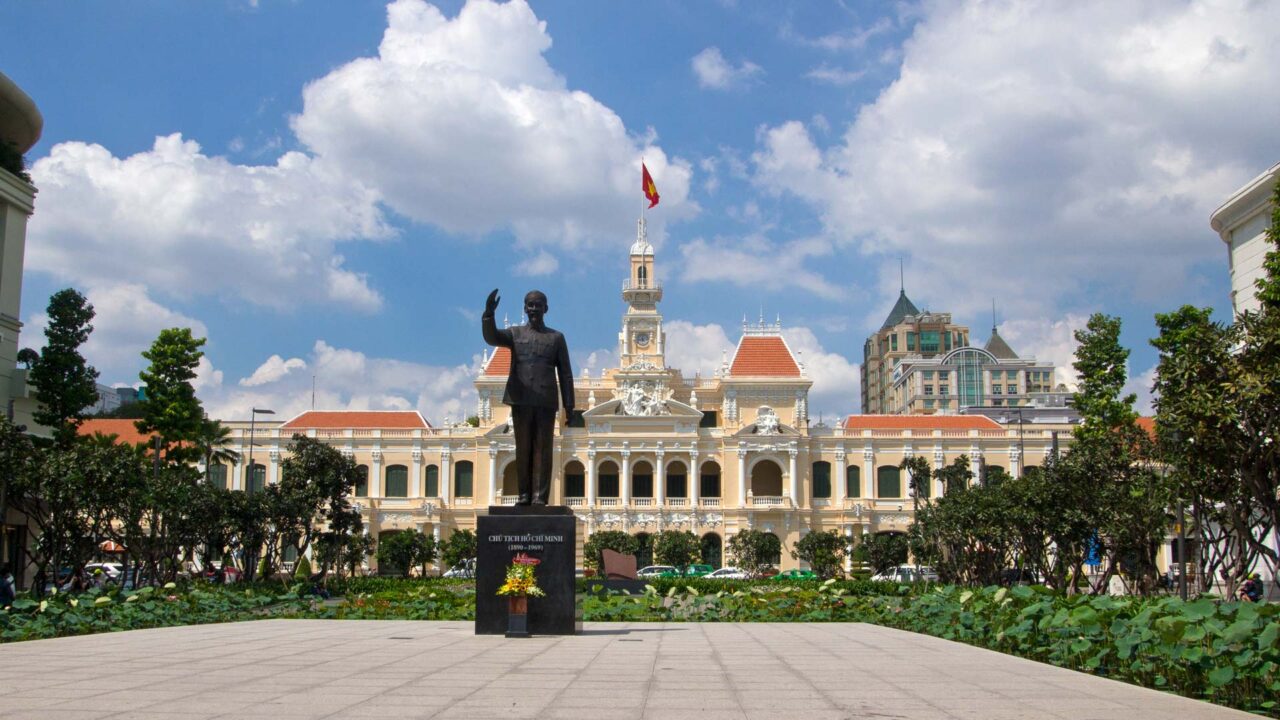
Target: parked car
796 574
655 571
907 574
728 573
697 570
111 569
464 569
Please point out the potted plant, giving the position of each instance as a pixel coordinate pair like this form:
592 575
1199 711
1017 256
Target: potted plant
521 584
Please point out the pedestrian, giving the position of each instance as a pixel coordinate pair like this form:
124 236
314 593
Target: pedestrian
8 590
1251 589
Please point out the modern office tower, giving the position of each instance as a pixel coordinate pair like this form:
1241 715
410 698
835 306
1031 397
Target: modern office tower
907 332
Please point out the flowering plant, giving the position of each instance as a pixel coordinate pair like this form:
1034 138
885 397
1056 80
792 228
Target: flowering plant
520 578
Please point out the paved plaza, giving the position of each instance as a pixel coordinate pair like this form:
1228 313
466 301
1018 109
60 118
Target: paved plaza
282 669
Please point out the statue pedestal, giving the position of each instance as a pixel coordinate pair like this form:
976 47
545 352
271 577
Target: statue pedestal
548 533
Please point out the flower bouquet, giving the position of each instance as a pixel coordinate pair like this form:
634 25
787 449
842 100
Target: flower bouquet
521 584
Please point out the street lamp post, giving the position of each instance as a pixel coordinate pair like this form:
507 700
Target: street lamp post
253 416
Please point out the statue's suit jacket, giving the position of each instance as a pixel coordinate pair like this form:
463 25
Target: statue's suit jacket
537 358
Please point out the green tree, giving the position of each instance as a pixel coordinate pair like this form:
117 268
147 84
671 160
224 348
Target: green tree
678 548
459 546
211 442
882 551
65 384
400 552
171 408
614 540
824 551
1101 365
755 550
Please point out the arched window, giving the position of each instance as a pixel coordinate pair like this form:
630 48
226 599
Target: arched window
712 549
575 480
608 481
397 483
462 474
709 482
510 480
822 479
257 478
362 481
642 480
677 481
766 479
642 277
217 474
644 556
431 483
888 481
775 559
853 481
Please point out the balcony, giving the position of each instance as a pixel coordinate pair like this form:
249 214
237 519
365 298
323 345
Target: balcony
768 501
575 502
707 502
463 502
678 502
611 502
645 502
509 499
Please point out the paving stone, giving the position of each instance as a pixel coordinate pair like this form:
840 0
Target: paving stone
285 669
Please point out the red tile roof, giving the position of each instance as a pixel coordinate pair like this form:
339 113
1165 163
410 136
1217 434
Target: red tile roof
499 363
124 430
920 422
357 419
763 356
1148 424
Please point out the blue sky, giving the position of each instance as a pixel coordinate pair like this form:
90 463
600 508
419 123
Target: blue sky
331 189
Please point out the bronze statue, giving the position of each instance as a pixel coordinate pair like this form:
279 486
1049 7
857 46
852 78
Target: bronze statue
538 355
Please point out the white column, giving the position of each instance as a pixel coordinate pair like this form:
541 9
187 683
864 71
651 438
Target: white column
591 478
869 474
660 477
742 474
695 478
794 484
626 475
415 481
273 466
842 480
907 490
939 459
375 474
446 478
435 534
1015 461
493 473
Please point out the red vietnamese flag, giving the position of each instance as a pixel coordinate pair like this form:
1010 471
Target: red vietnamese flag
650 190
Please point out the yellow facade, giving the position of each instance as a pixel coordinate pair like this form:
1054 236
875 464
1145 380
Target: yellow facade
658 450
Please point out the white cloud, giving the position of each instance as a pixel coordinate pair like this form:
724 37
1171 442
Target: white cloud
462 123
1045 145
754 261
836 381
542 263
835 75
697 348
1045 339
1141 385
186 224
127 322
714 72
272 370
348 379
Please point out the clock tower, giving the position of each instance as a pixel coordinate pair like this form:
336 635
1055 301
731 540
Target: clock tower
642 340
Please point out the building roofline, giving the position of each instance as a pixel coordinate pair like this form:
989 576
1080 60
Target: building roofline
20 119
1243 202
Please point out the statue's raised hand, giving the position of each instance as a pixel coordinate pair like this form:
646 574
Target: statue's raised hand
492 303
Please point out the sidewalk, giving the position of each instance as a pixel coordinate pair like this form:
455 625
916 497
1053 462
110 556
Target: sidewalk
283 669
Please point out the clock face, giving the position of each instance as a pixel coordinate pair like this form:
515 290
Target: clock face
642 339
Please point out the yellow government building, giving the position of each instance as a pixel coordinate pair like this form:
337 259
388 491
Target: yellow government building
657 450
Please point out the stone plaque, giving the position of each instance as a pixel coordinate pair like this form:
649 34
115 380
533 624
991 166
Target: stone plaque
547 533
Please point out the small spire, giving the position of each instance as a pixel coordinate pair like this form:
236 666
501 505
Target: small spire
902 278
993 316
506 321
